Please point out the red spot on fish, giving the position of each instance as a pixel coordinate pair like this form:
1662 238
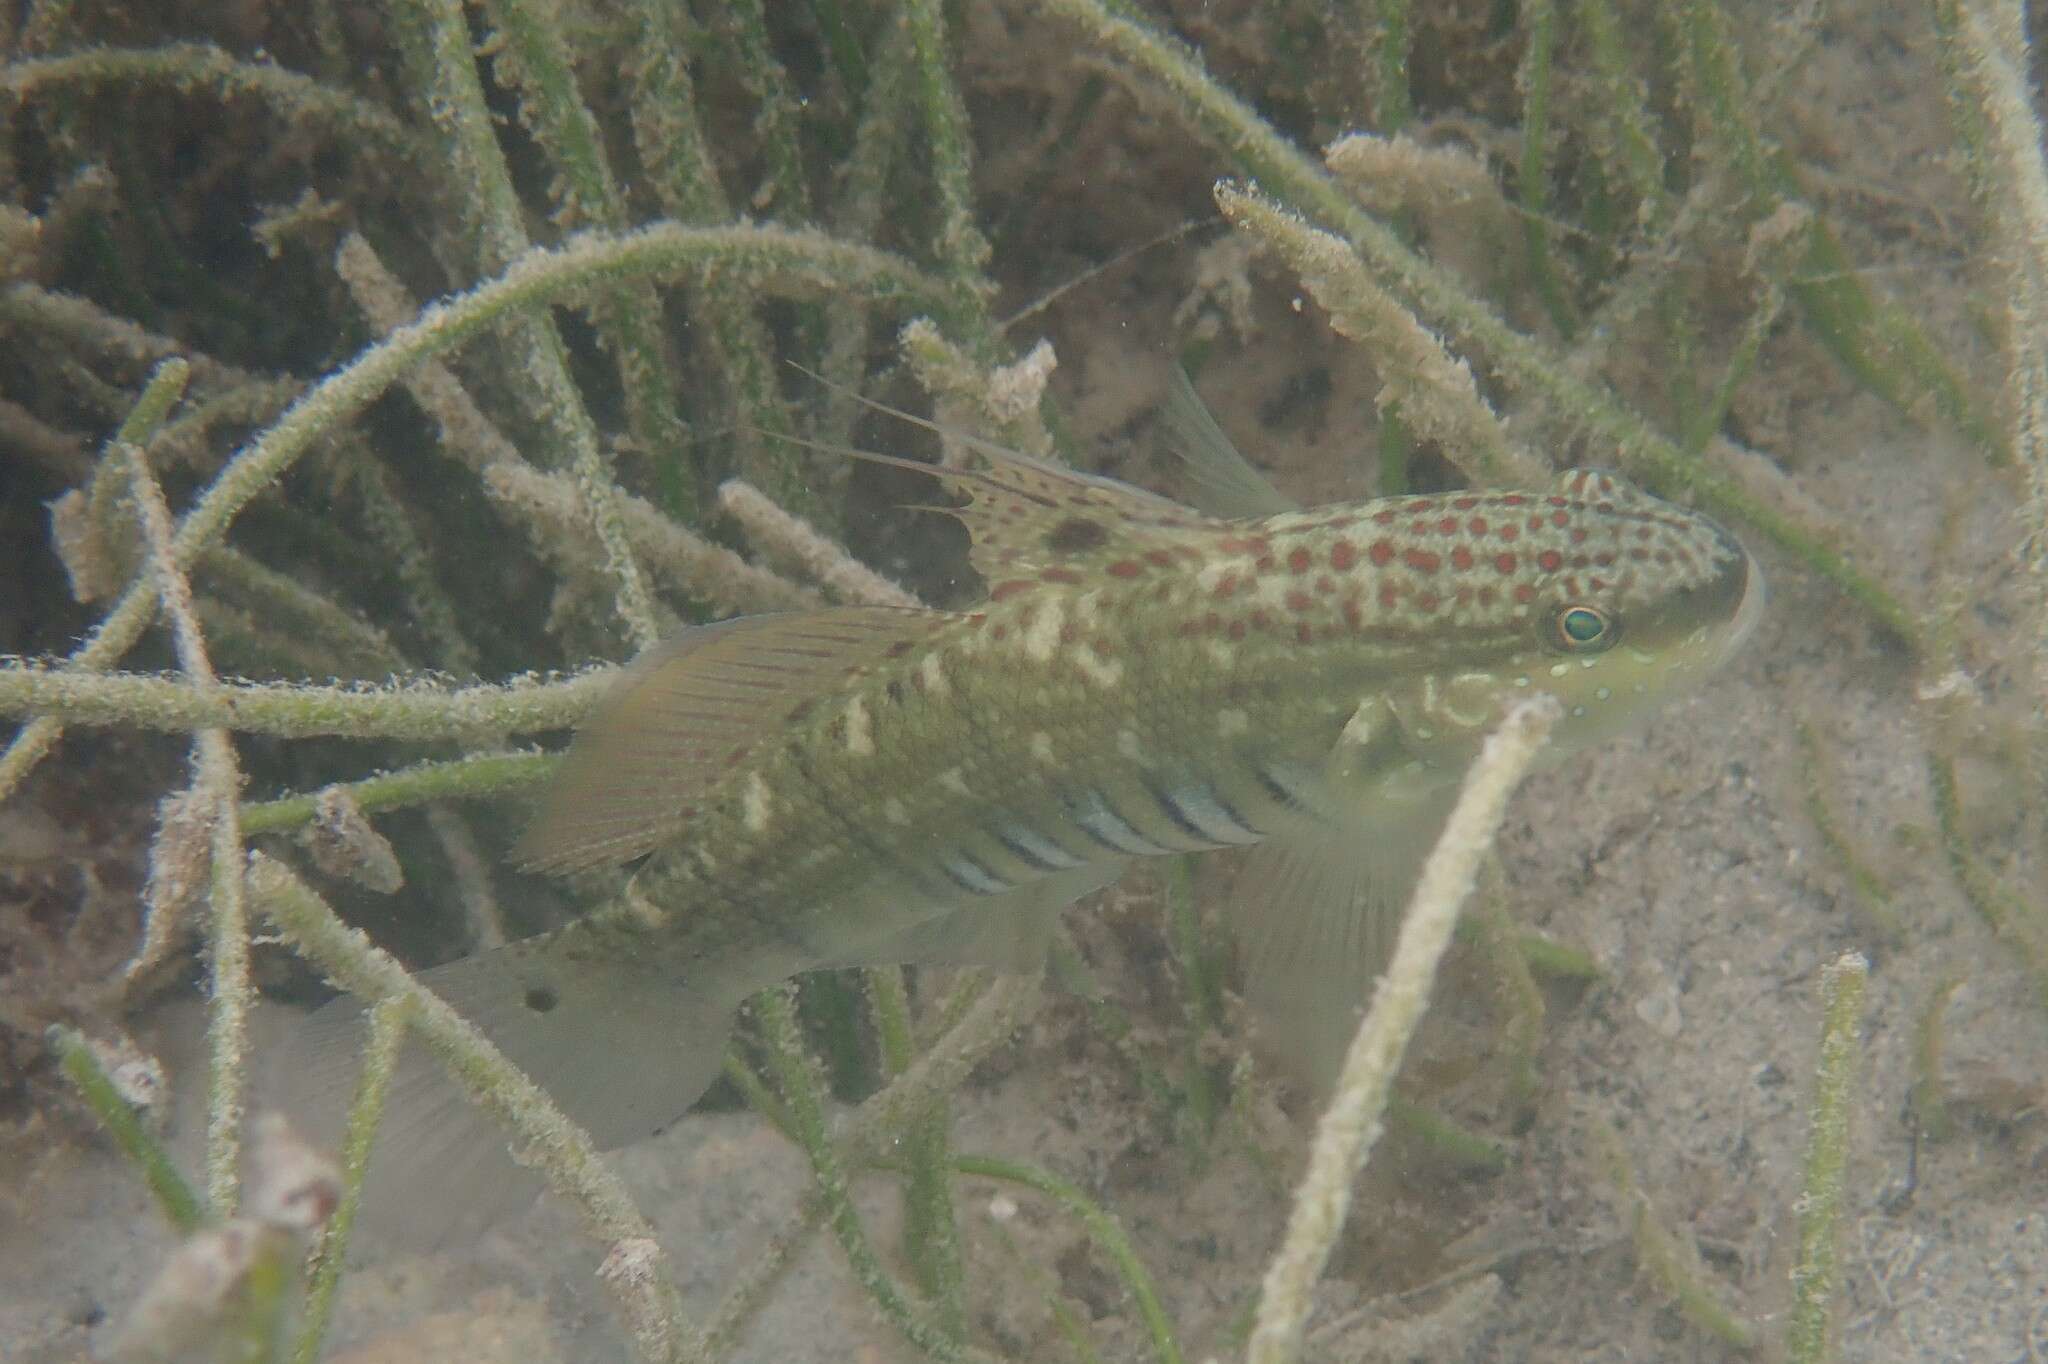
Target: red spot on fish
1418 527
1299 601
1513 500
1226 585
1524 593
1010 589
1557 501
1159 558
1477 525
1465 503
1354 616
1560 519
1550 561
1237 629
1578 535
1343 555
1260 619
1063 575
1421 504
1265 563
1604 558
1242 544
1385 518
1298 560
1212 622
1461 558
1428 601
1340 523
1000 632
1124 568
1382 553
1422 560
1644 532
1508 533
1324 586
1464 596
1505 563
1448 526
1389 596
1535 523
1486 596
1304 633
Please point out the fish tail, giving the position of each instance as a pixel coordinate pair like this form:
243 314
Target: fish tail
623 1046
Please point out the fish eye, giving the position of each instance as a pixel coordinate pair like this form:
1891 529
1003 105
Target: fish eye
1581 629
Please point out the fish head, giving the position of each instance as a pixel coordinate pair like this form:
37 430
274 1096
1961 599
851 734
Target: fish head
1618 602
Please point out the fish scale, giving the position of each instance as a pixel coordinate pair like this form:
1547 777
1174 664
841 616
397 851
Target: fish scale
867 784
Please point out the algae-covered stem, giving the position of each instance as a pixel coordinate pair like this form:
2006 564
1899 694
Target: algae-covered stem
1827 1157
217 783
1352 1123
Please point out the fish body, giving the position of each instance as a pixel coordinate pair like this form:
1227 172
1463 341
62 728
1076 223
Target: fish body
866 784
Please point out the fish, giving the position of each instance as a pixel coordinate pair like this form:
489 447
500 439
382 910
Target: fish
860 785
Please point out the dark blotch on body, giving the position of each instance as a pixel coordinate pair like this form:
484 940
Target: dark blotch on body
1075 534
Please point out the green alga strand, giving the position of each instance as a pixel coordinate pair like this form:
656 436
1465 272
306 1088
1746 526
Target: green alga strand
477 776
1102 1228
534 58
1665 1253
434 36
1827 1159
1873 896
1532 176
416 713
1928 1096
802 1091
380 1060
959 244
181 1204
1709 415
201 68
678 162
931 1237
1875 340
1392 104
1623 132
2009 917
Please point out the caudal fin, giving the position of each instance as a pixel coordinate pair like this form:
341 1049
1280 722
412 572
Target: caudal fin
624 1047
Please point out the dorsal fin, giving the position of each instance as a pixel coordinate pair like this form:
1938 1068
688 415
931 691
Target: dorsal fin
1026 514
1225 481
686 715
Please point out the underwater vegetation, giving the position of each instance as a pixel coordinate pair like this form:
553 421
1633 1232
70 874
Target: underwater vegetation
375 379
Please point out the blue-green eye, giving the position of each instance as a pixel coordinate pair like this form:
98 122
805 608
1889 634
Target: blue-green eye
1584 629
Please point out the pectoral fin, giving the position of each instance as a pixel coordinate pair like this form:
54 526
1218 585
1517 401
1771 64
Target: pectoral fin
1317 907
